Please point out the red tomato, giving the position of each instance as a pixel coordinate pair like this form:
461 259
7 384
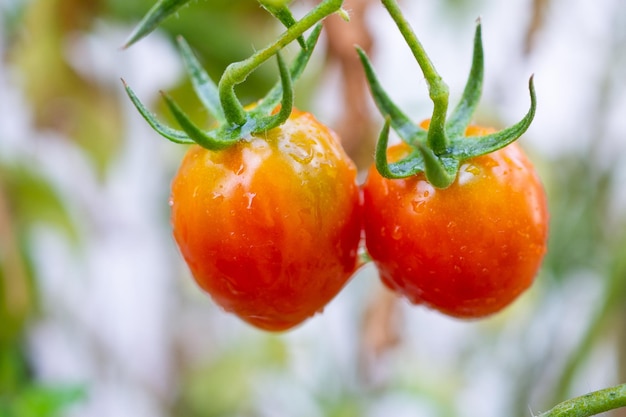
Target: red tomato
468 250
270 226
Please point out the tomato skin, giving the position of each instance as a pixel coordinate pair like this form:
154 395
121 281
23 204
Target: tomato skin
270 226
468 250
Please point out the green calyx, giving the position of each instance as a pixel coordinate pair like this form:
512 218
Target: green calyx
438 151
235 122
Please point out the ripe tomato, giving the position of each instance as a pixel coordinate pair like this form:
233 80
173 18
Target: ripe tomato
269 227
468 250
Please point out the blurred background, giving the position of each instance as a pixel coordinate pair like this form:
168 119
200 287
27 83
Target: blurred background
98 314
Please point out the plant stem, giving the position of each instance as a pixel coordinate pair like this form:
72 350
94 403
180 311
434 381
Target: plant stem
437 88
590 404
237 72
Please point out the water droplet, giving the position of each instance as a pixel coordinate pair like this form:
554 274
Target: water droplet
416 204
397 233
425 192
473 169
250 197
302 157
467 173
171 202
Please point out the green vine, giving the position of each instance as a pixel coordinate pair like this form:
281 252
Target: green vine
590 404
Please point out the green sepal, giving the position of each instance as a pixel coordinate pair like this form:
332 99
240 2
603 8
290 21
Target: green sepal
439 151
410 165
256 120
463 148
209 140
400 122
167 132
281 12
463 112
227 134
203 85
440 171
262 124
235 122
159 12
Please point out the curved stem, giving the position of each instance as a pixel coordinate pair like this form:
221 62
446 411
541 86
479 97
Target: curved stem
590 404
437 88
237 72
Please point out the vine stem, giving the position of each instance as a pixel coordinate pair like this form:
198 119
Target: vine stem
437 88
237 72
590 404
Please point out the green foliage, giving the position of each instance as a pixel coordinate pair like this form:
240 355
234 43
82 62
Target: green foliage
61 98
27 200
579 194
225 385
40 401
35 201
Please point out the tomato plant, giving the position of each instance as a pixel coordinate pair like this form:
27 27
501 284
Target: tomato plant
467 250
270 226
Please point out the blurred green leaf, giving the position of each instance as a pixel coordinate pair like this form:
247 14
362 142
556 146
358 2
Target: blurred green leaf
18 298
40 401
33 200
61 98
224 387
14 371
578 198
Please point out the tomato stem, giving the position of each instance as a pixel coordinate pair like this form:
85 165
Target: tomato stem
437 88
590 404
237 72
234 122
438 151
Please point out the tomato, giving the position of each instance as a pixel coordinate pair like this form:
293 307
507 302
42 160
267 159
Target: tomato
468 250
269 227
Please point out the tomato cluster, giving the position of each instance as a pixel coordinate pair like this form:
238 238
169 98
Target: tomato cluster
268 215
270 227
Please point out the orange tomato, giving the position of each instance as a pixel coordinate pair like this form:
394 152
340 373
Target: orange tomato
468 250
269 227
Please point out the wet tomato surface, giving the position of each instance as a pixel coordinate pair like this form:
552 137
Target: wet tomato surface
269 227
468 250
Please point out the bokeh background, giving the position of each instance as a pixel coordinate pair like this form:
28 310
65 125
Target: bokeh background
98 314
